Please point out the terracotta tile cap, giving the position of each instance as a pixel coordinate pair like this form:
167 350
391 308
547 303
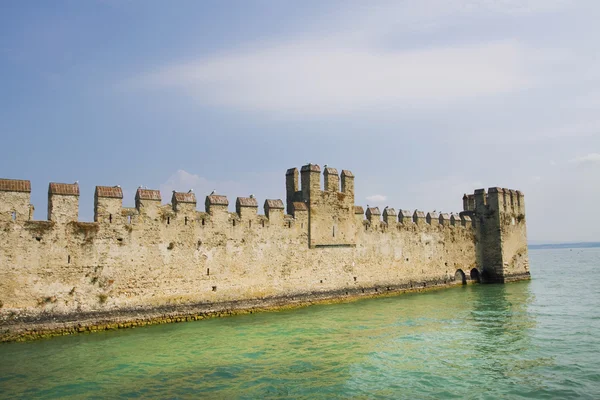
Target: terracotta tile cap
217 200
147 194
300 206
15 185
246 202
114 192
184 197
64 189
311 167
274 204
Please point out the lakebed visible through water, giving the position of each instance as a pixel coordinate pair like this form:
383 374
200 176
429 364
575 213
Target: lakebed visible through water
537 339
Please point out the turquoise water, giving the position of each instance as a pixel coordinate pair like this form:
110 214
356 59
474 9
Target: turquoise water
538 339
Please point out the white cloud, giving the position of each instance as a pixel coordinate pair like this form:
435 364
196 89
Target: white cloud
587 159
316 78
376 198
349 60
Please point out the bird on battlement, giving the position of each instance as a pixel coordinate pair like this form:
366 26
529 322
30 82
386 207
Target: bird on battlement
324 166
251 196
77 182
191 191
213 192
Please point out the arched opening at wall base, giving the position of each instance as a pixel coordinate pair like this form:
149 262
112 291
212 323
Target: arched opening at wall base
459 277
475 275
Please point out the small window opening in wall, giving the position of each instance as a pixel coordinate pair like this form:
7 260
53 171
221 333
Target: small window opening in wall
38 238
263 223
249 224
129 219
363 290
214 288
202 221
321 281
407 259
120 239
13 215
346 293
376 289
366 227
233 222
68 259
207 271
110 218
289 224
354 279
333 231
168 220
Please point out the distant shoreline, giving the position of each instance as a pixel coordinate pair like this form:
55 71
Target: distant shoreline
579 245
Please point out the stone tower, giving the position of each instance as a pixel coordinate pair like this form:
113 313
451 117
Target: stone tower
499 220
331 221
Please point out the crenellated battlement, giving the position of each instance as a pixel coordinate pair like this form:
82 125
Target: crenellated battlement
333 206
156 255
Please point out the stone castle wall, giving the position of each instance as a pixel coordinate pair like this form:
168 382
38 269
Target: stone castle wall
131 261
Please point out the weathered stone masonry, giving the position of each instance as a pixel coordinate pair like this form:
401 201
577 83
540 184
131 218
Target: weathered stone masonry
167 260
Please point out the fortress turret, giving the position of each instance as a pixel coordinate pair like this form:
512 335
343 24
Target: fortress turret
15 200
147 202
499 219
348 185
63 202
311 181
184 202
405 217
374 216
332 180
293 193
274 210
108 202
331 214
419 218
217 205
390 217
247 208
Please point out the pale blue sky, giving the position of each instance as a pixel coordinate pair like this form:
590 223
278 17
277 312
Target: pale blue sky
422 100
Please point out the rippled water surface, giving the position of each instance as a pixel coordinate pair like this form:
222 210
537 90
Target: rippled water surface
538 339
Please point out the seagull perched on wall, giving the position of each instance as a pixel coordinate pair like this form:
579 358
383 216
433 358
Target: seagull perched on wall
77 182
213 192
191 191
251 196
